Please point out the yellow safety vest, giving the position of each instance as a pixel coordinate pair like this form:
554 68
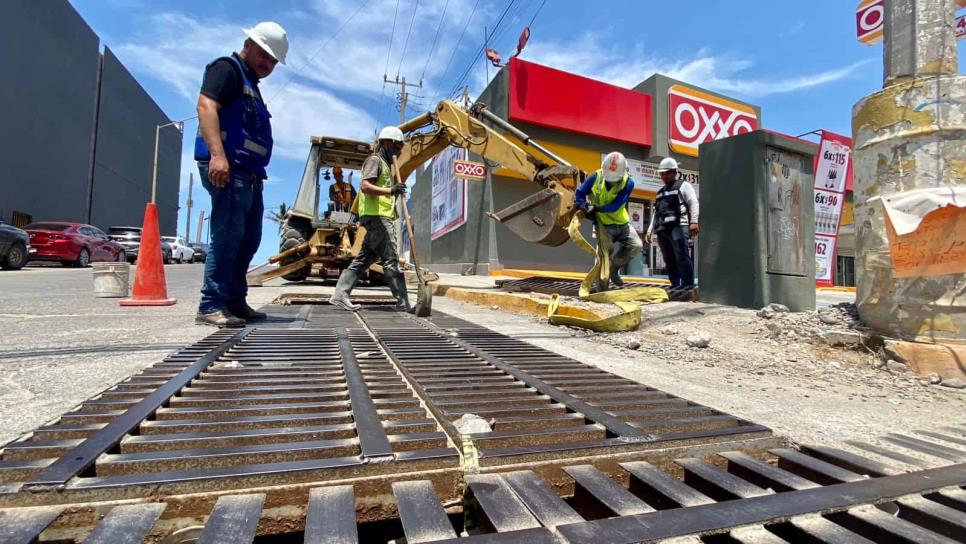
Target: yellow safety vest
379 205
603 196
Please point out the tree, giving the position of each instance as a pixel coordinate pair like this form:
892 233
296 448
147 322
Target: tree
278 215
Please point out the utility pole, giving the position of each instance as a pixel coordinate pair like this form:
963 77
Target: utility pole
908 148
403 95
187 223
201 225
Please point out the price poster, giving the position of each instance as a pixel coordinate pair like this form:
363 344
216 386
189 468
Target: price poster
824 252
828 212
832 171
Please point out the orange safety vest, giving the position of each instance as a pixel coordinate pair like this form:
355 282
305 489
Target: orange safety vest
343 193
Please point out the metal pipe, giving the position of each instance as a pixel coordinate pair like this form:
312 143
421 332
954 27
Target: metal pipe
491 117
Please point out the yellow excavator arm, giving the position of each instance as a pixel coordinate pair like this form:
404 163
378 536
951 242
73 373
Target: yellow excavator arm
540 218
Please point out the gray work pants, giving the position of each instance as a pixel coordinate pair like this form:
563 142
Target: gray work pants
378 245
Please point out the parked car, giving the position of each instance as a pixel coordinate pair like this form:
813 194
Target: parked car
130 238
181 252
14 247
73 244
201 251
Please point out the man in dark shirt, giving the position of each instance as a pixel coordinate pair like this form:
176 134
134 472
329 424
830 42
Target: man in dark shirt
233 147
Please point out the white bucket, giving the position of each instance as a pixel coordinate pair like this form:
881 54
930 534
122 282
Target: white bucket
111 279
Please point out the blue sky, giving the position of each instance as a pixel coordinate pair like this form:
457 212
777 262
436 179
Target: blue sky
800 62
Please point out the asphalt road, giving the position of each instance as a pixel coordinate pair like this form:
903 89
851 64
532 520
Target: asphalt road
61 345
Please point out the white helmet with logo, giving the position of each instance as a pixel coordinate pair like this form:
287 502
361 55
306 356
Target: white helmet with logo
391 133
614 166
667 163
271 37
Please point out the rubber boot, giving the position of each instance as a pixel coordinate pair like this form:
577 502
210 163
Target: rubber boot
340 298
397 284
615 277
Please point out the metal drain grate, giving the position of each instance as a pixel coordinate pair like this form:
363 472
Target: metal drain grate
543 406
815 494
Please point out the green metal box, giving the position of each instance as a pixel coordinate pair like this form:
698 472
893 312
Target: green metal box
757 240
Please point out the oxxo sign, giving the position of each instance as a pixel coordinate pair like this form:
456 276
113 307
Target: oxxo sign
869 18
469 170
695 117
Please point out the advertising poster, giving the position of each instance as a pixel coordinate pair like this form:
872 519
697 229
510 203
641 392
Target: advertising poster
833 169
449 193
636 211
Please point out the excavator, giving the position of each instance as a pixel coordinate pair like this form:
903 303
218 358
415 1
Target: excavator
326 245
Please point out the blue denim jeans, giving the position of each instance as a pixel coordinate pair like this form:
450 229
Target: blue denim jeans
236 232
674 247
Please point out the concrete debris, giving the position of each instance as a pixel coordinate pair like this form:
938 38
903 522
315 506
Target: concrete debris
767 313
841 338
633 344
700 339
896 366
472 424
954 383
228 364
934 379
778 308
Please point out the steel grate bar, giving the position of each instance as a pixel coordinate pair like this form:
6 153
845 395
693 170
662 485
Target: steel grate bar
372 436
331 517
24 525
126 524
234 520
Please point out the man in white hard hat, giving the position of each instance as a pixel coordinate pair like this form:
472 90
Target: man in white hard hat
603 196
233 147
675 221
377 211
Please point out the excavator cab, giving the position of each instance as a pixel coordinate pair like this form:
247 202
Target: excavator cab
314 242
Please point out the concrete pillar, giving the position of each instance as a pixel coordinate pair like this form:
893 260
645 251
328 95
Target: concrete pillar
910 135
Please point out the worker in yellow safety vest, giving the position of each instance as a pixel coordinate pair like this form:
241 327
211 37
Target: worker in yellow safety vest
377 210
603 196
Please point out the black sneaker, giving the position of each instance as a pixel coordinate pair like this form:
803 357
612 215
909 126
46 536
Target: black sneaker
248 314
219 318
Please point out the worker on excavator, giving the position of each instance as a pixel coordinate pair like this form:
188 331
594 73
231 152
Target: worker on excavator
341 194
609 188
377 210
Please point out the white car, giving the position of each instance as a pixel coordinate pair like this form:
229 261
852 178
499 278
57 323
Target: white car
181 252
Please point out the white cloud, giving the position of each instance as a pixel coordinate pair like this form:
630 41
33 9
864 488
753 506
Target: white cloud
179 46
626 68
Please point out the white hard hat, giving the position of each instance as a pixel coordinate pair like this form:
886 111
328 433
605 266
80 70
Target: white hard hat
271 38
391 133
614 166
667 163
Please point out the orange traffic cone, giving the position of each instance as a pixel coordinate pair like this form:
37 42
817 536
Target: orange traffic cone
150 288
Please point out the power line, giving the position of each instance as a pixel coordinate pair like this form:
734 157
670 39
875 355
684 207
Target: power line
317 51
459 41
392 35
406 43
385 71
435 40
466 72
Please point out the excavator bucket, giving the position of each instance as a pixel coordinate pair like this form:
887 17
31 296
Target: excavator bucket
541 218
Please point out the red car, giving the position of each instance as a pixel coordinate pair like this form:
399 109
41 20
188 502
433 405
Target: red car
73 244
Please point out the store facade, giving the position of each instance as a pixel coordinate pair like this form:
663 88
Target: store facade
580 119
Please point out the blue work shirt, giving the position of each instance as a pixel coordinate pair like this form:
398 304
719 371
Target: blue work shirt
621 200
